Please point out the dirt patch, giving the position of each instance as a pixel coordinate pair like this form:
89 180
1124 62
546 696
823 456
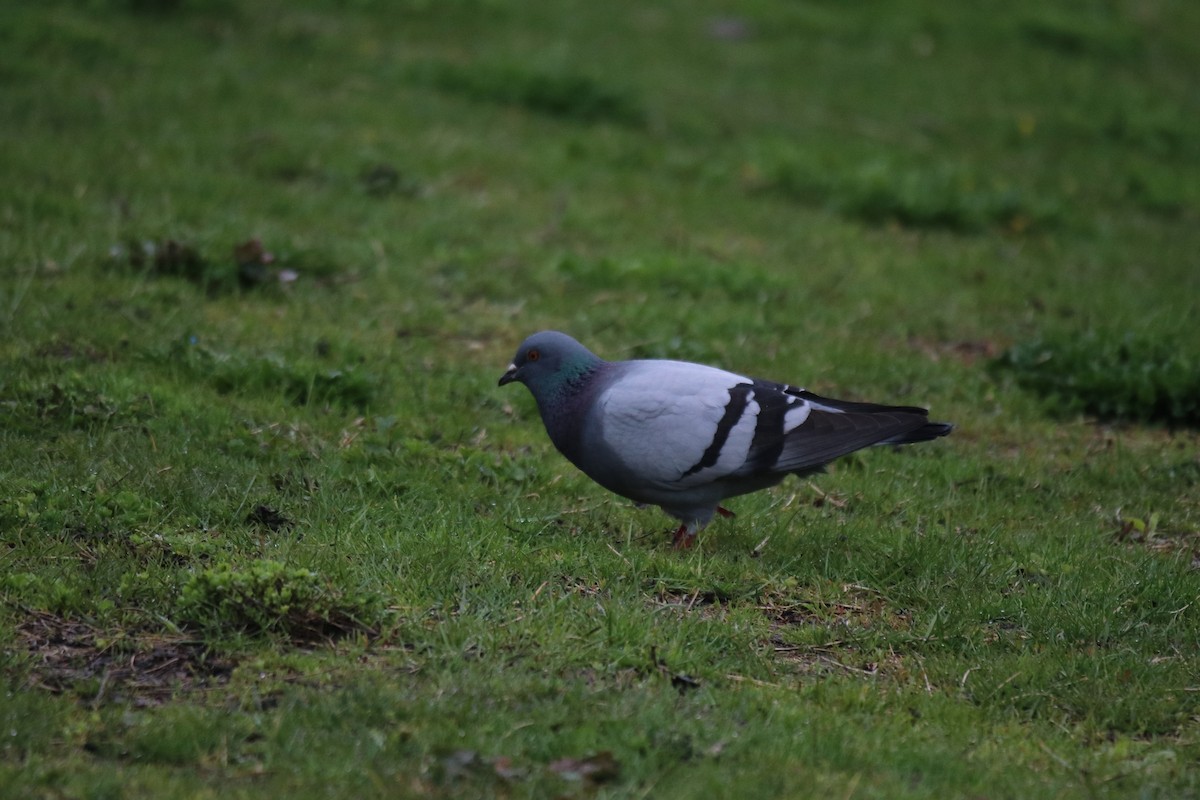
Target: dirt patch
67 351
835 657
966 352
852 606
70 656
849 608
682 602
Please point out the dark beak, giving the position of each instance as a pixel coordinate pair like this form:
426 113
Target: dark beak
509 376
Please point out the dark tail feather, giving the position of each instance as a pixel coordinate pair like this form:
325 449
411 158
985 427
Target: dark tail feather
928 431
847 405
827 435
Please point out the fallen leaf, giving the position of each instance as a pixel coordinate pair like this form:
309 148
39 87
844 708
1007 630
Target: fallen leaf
504 768
458 762
252 251
598 768
254 263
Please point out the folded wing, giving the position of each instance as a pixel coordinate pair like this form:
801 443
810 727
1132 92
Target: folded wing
680 425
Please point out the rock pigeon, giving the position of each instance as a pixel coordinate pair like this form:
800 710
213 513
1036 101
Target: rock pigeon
684 436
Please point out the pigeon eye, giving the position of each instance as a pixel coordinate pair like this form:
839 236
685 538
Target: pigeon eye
532 355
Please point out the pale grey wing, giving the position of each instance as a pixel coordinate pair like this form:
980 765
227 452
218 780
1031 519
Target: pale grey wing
675 425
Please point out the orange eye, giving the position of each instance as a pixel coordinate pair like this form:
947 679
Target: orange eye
532 355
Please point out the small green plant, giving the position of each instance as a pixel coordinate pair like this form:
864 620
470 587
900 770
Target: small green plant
71 402
1110 376
302 384
249 265
270 597
691 278
1138 529
1080 34
881 191
32 505
566 95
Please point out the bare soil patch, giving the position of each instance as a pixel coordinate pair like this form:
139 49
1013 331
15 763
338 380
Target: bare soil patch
72 656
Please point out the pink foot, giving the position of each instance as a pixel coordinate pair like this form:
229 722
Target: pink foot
682 539
725 512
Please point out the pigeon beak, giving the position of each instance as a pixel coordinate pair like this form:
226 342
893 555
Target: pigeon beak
509 376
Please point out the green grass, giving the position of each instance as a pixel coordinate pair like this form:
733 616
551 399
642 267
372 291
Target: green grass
268 527
1113 377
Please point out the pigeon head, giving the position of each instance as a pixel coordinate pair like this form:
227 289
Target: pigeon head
549 363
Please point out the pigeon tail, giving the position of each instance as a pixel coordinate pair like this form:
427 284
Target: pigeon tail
827 435
927 432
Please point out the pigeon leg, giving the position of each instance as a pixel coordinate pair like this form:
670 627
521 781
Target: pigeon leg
725 512
683 538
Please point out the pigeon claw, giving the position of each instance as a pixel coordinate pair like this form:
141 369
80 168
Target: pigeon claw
683 538
725 512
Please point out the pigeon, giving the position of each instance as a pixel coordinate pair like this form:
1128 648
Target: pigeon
685 437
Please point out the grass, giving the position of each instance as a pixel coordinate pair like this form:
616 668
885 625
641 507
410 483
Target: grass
1111 378
268 526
